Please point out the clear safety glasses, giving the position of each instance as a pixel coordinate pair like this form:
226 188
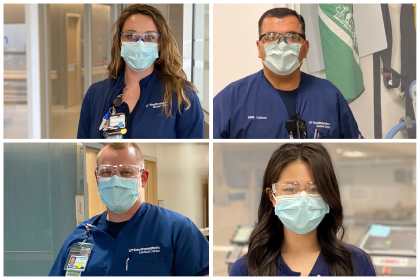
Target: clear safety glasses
124 170
149 37
287 188
274 38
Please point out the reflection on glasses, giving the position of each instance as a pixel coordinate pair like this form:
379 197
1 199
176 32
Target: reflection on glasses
124 170
274 38
149 37
286 188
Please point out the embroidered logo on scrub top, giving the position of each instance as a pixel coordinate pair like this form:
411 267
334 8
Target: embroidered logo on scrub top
256 117
147 250
321 124
157 105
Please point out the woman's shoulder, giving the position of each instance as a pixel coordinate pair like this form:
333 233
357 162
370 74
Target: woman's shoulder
355 251
239 268
363 265
102 87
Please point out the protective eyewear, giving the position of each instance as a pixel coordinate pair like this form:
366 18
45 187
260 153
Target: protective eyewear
287 188
124 170
289 37
149 37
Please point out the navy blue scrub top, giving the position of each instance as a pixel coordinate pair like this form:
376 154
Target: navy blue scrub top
148 119
361 263
289 99
109 227
252 108
174 246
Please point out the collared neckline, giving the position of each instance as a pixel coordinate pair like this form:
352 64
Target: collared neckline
143 82
319 268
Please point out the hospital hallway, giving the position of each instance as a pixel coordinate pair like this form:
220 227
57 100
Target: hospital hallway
63 121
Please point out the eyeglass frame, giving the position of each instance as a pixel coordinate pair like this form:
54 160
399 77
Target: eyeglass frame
140 35
273 186
141 169
291 32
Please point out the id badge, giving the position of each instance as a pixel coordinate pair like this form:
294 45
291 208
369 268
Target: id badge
78 258
117 121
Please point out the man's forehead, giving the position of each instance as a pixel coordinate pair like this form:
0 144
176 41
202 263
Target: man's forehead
126 155
281 25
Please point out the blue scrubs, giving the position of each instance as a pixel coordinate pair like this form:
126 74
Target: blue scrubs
361 264
252 108
147 120
159 242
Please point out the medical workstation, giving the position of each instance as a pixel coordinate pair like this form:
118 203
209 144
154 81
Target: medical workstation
377 184
51 189
375 72
47 77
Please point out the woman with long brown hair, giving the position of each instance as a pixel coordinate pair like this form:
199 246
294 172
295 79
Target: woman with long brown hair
147 94
299 218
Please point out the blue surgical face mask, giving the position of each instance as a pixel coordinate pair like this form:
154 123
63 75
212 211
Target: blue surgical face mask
139 55
282 58
302 212
117 193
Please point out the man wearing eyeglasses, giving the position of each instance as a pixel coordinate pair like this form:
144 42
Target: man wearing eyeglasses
280 101
132 238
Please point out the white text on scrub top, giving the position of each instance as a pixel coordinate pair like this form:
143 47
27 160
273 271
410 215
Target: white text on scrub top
257 117
157 105
147 250
321 124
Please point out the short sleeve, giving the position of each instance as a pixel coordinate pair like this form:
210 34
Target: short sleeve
221 115
366 263
362 263
190 124
83 131
239 268
348 124
191 251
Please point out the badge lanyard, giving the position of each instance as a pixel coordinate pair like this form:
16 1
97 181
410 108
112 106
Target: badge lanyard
114 124
299 126
79 254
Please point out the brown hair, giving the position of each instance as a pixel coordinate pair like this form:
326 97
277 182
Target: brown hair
169 64
122 146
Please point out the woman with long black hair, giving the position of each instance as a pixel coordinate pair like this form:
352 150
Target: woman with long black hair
299 218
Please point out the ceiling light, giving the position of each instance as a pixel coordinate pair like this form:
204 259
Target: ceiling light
354 154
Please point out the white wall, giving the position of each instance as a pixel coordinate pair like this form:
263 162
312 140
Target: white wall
148 149
235 56
181 171
235 59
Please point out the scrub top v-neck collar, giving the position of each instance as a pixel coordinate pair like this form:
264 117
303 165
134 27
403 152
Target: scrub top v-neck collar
300 100
320 267
145 86
126 229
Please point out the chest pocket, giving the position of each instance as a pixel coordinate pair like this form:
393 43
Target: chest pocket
322 133
325 136
96 265
149 265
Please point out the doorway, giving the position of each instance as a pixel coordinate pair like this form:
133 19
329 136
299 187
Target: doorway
73 34
149 193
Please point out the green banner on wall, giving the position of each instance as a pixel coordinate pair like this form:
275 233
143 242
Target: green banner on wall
340 50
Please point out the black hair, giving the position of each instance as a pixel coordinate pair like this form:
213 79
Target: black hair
267 237
281 13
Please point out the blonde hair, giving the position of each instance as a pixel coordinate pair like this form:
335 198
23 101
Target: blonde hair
169 64
122 146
